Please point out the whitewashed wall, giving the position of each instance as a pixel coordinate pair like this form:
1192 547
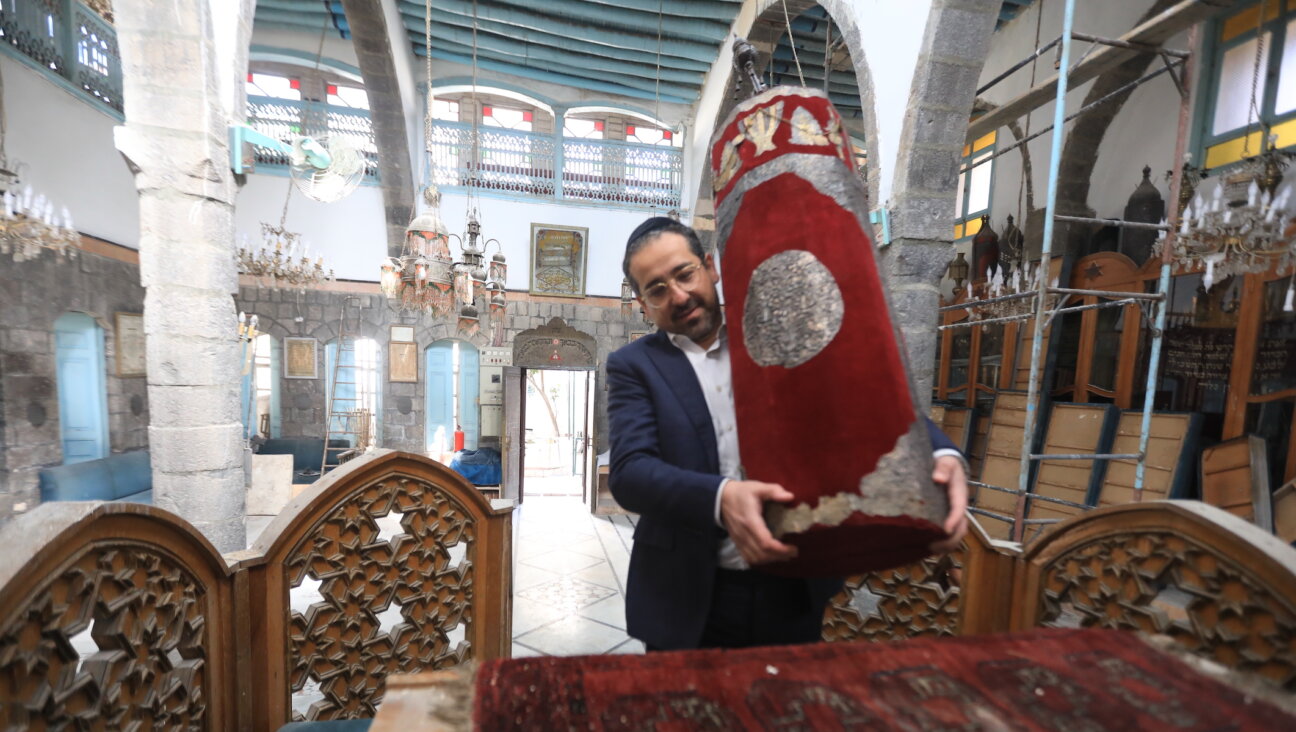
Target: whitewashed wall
350 234
67 147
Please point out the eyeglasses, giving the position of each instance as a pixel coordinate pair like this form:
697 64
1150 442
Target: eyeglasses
657 294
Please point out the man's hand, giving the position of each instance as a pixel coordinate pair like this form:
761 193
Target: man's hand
741 505
949 473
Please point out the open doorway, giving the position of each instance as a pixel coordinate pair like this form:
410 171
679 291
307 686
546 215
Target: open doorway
556 424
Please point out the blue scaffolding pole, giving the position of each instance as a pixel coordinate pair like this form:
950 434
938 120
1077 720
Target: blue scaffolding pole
1153 306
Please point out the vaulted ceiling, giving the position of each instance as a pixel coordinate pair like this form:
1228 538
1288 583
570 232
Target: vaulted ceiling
641 49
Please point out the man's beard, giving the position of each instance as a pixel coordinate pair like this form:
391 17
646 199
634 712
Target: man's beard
705 323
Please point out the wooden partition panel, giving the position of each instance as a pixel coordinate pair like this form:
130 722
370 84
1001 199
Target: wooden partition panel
1219 586
1001 465
115 616
1235 477
392 563
1170 442
1073 429
122 616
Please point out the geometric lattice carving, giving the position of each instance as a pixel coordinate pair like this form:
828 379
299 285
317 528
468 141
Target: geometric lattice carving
340 646
919 599
1159 582
145 616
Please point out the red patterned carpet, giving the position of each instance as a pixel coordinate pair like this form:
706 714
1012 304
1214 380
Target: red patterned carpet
1090 680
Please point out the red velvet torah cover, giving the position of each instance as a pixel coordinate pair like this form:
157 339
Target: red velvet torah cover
819 426
1029 682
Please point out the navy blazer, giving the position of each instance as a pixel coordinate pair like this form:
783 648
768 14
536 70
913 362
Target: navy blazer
665 467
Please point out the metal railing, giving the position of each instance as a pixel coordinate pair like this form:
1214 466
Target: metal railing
284 119
68 40
509 161
607 171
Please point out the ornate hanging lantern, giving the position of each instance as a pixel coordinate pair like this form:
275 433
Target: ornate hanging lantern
627 298
957 271
420 278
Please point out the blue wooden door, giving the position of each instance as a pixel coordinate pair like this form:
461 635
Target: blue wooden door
469 384
439 390
82 391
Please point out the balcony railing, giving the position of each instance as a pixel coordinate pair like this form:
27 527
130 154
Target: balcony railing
284 119
605 171
68 40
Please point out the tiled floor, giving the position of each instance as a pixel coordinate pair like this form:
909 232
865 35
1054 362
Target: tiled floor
569 572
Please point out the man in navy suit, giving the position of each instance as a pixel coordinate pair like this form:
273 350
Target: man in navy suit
675 463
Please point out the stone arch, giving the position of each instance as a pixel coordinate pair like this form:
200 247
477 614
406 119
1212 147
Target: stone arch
555 345
923 184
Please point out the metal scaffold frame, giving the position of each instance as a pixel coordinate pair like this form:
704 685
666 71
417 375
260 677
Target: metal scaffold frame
1152 306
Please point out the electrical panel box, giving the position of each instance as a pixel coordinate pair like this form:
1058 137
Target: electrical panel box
490 392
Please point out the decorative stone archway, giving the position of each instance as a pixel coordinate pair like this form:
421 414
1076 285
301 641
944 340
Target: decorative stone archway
923 183
555 345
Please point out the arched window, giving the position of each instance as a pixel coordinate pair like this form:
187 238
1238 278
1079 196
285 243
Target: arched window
358 390
452 380
82 390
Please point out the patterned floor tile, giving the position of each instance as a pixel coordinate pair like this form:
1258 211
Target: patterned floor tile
568 594
560 561
609 611
573 636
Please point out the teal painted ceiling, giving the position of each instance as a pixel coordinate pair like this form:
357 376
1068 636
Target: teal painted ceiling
639 49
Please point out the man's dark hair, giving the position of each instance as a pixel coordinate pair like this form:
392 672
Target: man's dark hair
647 233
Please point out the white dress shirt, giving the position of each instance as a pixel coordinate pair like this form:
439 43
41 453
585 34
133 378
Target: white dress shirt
712 369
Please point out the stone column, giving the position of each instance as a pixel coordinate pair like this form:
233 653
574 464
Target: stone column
923 189
373 45
180 81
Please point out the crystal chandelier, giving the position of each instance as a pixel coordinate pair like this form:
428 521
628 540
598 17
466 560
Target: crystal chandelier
1011 296
274 259
1242 229
30 224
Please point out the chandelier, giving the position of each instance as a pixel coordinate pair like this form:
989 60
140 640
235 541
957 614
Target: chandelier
1242 229
425 277
474 281
31 225
421 277
1011 296
282 258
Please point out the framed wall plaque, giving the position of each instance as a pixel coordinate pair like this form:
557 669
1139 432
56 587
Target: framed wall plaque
558 256
300 358
129 344
402 362
402 334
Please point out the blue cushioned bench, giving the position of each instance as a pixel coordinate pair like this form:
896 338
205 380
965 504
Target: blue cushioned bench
307 453
126 476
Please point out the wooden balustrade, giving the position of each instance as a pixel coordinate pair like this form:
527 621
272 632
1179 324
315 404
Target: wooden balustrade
120 613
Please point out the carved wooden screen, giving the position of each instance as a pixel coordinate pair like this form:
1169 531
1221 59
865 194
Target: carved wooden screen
920 599
1220 587
115 616
391 564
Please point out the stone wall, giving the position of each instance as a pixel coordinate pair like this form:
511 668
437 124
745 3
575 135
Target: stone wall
33 294
302 401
